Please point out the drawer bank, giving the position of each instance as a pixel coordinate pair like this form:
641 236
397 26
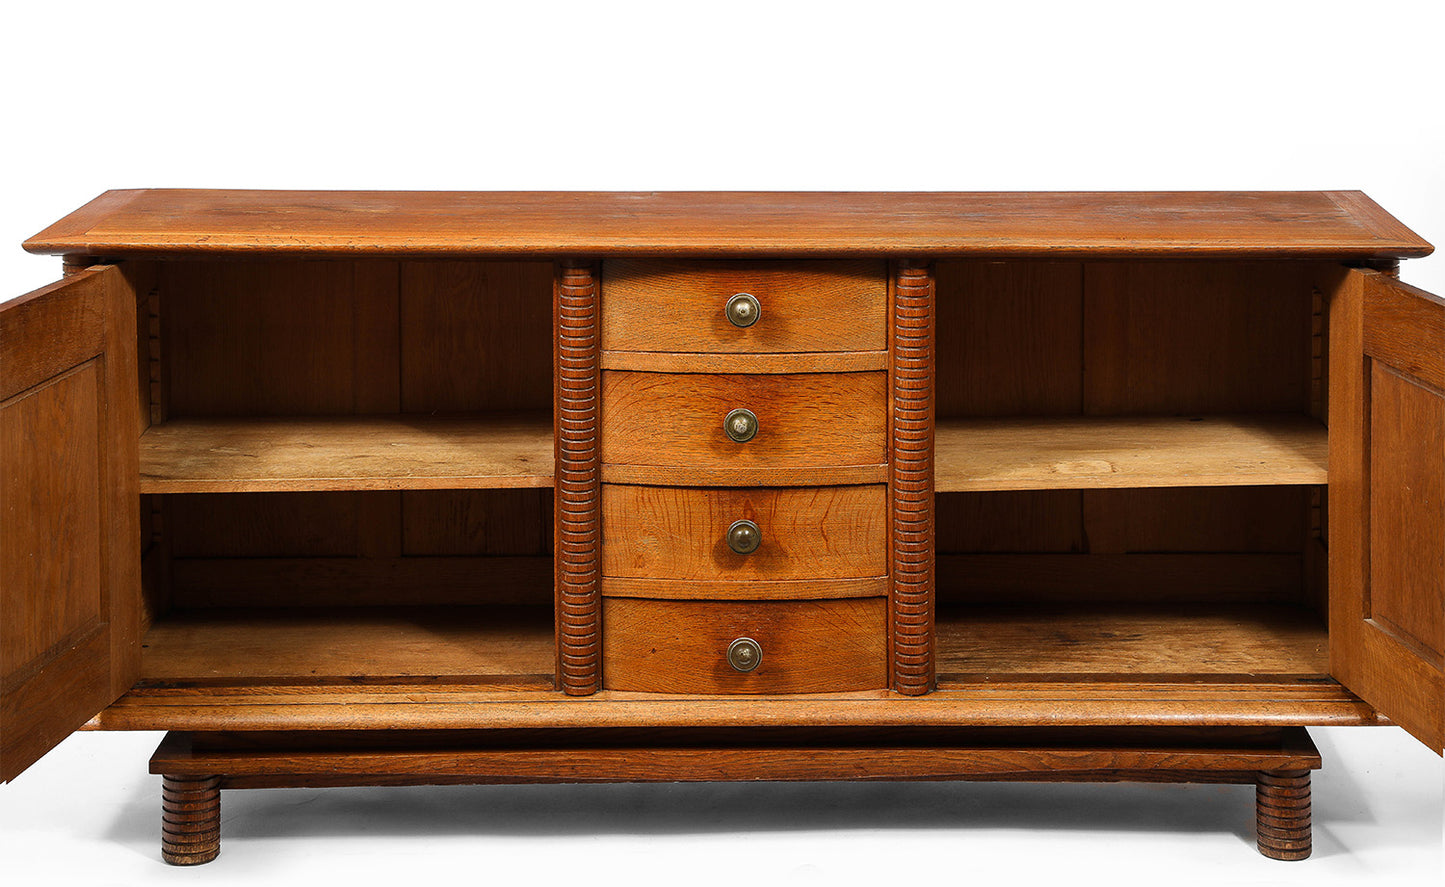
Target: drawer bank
370 488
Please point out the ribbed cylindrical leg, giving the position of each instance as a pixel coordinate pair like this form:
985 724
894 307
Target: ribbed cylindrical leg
190 819
1282 813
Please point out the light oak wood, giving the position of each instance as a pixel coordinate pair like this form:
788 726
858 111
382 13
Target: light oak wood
806 422
805 306
682 646
1407 513
1120 398
1405 329
1386 518
1136 640
695 362
69 556
1130 452
806 533
1217 224
305 645
697 755
423 452
1000 701
744 590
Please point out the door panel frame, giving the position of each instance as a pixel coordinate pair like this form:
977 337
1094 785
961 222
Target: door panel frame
86 318
1373 318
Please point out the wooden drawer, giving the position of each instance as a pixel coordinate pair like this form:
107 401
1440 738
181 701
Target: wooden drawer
812 428
804 532
804 306
682 646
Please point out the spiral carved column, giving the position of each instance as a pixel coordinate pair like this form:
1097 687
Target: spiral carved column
578 480
912 481
190 819
1282 813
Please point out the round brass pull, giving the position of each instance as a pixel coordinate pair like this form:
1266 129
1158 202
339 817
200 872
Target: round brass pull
745 654
744 537
741 425
743 310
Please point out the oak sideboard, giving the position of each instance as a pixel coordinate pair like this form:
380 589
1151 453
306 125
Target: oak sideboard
389 488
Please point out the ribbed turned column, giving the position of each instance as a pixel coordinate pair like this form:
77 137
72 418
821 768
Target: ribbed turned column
912 481
578 483
1282 813
190 819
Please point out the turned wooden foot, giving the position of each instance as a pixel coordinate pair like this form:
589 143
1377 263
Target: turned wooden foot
1282 813
190 819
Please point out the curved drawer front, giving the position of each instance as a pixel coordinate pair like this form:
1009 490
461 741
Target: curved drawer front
797 306
798 646
810 428
691 533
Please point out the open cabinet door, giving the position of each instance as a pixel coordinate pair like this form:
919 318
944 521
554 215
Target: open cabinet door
69 510
1387 499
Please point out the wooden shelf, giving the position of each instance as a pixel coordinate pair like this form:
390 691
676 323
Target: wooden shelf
306 645
399 452
1087 452
1239 639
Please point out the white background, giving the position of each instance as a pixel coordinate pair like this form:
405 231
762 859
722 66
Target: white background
1028 96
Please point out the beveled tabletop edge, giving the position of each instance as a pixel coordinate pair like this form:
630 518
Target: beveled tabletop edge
437 224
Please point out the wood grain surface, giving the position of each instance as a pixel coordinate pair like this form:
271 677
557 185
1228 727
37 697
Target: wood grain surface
681 533
805 306
744 589
1196 337
306 645
1329 224
670 427
69 551
699 362
397 452
1130 452
972 700
1386 524
530 756
1250 639
681 646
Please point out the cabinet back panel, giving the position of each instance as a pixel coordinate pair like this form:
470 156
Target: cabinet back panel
1009 338
1196 543
337 338
325 549
1119 338
476 336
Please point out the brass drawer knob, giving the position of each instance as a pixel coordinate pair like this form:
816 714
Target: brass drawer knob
741 425
743 310
744 537
744 654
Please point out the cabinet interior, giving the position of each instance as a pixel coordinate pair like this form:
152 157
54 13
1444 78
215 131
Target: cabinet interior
347 469
1131 465
347 472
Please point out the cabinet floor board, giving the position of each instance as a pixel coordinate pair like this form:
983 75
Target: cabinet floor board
1201 639
364 643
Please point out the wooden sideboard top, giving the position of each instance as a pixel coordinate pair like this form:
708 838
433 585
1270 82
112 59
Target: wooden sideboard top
1283 224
